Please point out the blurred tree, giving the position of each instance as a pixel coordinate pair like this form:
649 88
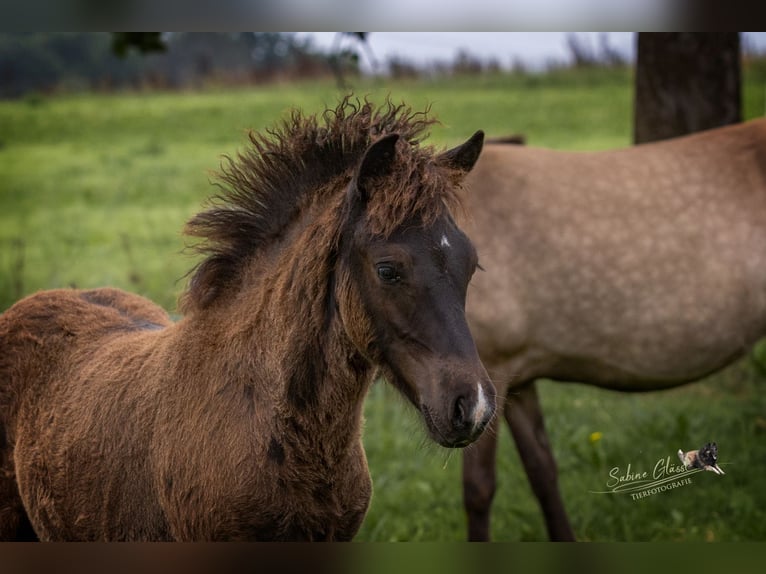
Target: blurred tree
582 54
686 82
144 42
343 59
75 61
26 65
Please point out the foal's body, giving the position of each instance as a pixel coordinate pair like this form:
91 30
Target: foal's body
634 270
243 420
192 440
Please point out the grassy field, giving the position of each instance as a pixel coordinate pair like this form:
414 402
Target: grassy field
95 189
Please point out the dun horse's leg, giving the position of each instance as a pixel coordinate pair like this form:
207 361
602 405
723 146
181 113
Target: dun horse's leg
525 417
479 481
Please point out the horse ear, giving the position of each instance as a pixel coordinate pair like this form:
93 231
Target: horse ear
376 163
464 156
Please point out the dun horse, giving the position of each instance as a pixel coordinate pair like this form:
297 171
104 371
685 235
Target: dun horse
635 270
331 256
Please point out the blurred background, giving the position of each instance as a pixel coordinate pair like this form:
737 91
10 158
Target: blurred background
74 62
109 143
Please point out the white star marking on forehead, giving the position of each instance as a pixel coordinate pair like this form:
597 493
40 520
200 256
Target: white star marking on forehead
445 241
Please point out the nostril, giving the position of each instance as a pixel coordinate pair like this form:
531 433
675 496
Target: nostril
458 416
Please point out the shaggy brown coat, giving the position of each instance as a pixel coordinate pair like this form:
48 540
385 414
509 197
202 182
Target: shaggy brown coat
243 419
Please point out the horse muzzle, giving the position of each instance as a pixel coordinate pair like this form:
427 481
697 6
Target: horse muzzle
460 420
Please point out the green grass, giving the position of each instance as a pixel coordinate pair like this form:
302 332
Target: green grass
95 189
418 489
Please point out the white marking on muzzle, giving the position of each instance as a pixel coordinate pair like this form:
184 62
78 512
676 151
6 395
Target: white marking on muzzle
481 407
445 242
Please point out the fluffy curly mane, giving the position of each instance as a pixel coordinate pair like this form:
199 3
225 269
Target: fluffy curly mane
302 160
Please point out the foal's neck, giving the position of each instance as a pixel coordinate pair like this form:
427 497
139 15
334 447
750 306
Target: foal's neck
306 365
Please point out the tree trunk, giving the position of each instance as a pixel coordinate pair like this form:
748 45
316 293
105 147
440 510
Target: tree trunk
686 82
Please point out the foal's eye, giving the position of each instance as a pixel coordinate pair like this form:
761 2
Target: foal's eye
387 273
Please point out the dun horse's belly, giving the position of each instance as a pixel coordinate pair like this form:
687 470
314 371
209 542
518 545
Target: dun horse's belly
621 356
